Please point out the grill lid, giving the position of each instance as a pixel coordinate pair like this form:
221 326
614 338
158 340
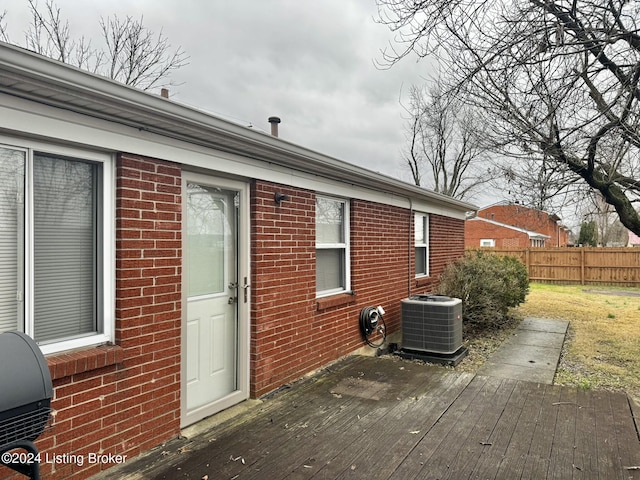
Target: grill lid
24 374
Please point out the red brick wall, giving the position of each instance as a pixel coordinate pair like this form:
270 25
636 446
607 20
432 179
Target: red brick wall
283 331
446 244
292 331
475 230
380 256
528 219
148 303
126 399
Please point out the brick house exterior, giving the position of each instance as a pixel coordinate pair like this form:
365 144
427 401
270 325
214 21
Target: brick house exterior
380 260
510 225
480 232
121 387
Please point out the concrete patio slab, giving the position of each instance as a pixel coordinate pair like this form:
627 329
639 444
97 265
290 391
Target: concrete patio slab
538 374
531 353
537 338
544 325
526 356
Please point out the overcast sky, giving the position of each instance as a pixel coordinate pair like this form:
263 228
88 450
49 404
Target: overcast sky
309 62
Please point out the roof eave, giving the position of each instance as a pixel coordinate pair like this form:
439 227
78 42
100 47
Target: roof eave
109 100
530 233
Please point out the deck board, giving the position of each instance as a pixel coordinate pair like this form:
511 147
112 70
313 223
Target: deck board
606 444
391 453
440 439
515 457
386 418
625 436
564 437
498 442
388 447
478 443
584 458
538 457
462 443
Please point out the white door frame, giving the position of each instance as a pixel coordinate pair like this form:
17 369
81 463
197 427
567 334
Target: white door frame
243 304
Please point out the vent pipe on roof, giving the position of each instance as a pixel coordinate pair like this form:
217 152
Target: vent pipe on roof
274 121
164 92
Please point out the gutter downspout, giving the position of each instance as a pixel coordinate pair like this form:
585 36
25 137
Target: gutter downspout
410 245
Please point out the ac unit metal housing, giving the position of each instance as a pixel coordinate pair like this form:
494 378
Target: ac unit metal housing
432 323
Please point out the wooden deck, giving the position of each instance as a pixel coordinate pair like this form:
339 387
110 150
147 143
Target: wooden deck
383 418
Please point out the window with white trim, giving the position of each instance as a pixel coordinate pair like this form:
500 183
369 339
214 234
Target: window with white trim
332 246
421 232
55 246
487 242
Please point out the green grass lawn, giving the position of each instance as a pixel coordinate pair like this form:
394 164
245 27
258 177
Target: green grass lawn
602 349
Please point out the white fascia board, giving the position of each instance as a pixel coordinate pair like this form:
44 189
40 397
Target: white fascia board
69 89
537 236
49 124
24 117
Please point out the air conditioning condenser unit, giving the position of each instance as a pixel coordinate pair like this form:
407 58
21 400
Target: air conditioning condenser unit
432 324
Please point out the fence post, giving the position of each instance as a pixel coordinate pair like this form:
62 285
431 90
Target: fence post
581 265
527 261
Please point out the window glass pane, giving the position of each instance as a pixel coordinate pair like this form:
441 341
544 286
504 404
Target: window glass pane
419 230
329 221
65 253
207 227
11 239
330 269
421 260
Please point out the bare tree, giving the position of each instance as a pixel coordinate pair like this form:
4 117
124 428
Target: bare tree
136 56
445 141
539 183
610 232
133 55
3 27
558 80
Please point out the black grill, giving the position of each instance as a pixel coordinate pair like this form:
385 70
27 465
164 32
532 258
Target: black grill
25 399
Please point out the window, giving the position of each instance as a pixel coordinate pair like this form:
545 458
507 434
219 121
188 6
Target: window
55 280
421 231
487 242
332 246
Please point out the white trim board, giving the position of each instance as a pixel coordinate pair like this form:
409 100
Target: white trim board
27 118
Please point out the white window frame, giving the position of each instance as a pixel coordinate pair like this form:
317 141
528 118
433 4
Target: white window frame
344 245
487 242
106 244
424 244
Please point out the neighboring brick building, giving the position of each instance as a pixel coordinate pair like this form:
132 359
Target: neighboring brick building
508 225
480 232
175 264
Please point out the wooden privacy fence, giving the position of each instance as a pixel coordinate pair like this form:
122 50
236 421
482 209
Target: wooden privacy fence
580 265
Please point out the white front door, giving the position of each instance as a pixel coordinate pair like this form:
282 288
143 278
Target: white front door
214 367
